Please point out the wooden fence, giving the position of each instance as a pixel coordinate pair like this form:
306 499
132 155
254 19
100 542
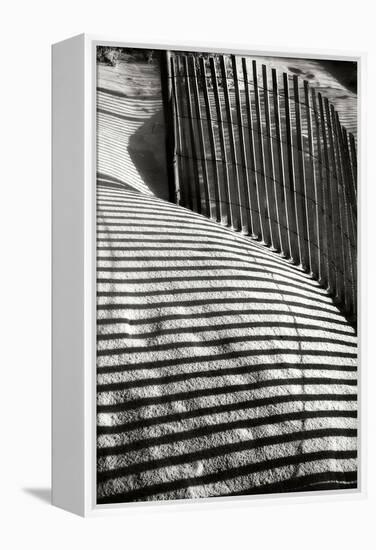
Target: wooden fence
264 154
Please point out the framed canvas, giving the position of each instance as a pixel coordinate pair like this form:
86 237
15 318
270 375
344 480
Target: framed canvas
205 274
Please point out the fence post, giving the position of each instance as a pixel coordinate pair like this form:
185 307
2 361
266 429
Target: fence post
283 215
322 225
188 85
170 116
269 168
336 214
351 153
201 137
243 153
262 185
311 189
291 187
346 246
234 189
327 204
227 196
301 186
219 204
257 221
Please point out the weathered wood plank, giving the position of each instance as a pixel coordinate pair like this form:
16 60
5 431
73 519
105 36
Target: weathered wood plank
351 163
351 220
170 121
327 199
196 182
201 138
354 160
238 221
290 173
334 191
263 192
179 189
218 200
186 189
255 204
228 218
347 251
312 194
322 225
281 191
270 170
300 183
247 221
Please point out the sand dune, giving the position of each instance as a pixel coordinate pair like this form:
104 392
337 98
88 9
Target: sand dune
221 368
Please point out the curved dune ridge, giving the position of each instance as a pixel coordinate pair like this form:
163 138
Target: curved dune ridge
222 369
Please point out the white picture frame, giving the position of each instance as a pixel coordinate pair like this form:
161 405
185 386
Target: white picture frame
74 278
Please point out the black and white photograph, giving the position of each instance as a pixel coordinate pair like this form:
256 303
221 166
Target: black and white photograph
226 266
188 307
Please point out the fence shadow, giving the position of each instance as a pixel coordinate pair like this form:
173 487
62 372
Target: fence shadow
221 367
147 150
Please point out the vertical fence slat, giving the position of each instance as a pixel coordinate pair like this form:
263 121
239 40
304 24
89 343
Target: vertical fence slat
327 198
354 162
323 276
237 221
255 204
263 193
351 166
201 139
352 246
349 181
301 191
344 222
270 173
226 184
186 163
335 194
192 136
281 193
291 195
170 118
313 205
246 186
179 189
351 216
219 203
337 236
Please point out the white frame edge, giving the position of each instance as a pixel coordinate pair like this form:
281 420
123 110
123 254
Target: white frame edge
68 158
74 276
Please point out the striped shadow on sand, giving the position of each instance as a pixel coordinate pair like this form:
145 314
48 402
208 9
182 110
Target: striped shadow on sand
222 368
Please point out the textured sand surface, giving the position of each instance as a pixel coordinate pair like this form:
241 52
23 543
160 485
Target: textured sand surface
221 368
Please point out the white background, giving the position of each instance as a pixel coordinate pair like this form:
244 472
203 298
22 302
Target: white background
27 30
